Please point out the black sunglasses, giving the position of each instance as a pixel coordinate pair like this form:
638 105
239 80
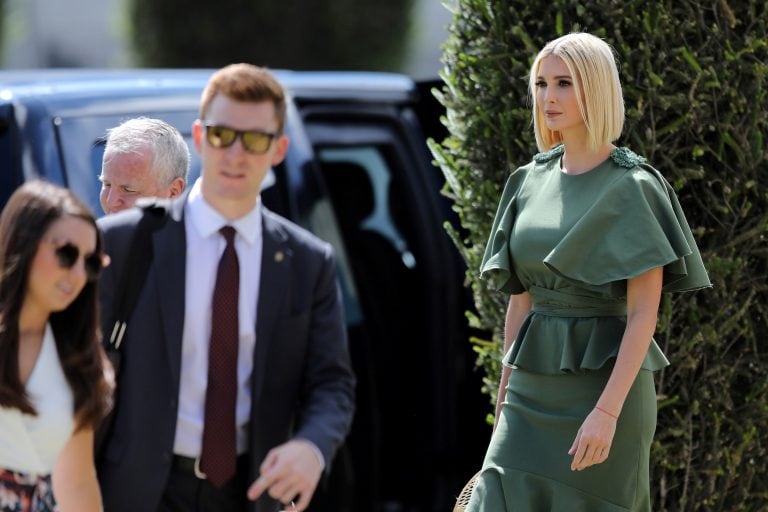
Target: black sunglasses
254 141
68 254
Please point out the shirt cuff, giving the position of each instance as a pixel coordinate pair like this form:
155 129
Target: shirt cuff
317 451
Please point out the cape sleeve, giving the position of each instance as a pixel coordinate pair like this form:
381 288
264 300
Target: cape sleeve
636 225
497 260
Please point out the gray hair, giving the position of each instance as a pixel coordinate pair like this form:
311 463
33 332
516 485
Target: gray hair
170 153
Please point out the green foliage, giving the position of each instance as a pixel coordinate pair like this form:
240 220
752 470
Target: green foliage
296 34
695 78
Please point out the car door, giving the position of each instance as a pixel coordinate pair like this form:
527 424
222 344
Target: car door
373 182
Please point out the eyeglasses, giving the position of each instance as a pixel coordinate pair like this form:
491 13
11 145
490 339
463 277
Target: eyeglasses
254 141
68 254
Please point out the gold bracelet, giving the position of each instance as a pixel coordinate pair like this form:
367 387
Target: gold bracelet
606 412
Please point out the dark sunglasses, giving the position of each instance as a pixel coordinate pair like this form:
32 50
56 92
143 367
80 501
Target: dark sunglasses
254 141
68 254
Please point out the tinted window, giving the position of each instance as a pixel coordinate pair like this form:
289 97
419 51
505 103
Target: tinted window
8 179
82 147
361 179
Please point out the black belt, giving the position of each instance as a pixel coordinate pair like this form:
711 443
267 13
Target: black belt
192 464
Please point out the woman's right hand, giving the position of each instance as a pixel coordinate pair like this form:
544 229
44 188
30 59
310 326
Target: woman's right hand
593 440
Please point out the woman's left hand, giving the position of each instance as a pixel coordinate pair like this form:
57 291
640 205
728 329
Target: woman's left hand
593 440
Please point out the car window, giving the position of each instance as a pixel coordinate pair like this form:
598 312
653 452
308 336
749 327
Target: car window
360 178
82 148
8 181
97 155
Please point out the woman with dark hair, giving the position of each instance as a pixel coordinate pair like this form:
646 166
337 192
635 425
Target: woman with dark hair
53 385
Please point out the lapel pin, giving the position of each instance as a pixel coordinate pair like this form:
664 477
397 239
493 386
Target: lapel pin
279 256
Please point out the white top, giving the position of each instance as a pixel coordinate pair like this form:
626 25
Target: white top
204 249
31 444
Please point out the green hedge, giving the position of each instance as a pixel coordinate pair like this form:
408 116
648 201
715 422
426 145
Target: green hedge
297 34
695 78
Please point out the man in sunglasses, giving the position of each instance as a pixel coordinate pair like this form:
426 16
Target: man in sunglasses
143 157
236 387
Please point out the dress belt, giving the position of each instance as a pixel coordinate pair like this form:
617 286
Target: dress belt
555 303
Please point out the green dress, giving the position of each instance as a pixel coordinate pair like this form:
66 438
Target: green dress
571 242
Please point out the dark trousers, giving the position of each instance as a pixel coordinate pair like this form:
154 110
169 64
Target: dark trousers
185 492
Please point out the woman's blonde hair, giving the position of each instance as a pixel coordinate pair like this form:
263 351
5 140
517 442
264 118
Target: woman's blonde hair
592 65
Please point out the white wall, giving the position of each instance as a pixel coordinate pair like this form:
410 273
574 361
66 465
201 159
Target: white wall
428 33
43 33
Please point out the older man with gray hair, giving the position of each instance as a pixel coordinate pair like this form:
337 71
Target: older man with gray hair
143 157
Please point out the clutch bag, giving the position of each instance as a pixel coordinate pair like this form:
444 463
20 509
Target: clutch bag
466 493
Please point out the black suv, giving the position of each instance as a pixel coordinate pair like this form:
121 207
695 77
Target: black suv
358 174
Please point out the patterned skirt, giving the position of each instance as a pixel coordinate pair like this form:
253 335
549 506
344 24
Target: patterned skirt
21 492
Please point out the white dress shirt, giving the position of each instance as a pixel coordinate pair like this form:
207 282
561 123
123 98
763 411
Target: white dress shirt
205 246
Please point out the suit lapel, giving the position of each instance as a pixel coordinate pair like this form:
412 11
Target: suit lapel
273 291
170 255
169 246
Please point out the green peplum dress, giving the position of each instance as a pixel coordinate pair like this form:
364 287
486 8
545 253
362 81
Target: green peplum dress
571 242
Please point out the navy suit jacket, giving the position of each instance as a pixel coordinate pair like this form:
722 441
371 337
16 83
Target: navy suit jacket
302 381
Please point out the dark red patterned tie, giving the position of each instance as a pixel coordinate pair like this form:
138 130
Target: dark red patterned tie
219 451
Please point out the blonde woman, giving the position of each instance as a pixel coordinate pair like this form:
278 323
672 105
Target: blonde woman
586 238
52 381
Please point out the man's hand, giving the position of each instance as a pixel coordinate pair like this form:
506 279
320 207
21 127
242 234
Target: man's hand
289 471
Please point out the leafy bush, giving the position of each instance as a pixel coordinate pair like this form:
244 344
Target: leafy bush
695 78
298 34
